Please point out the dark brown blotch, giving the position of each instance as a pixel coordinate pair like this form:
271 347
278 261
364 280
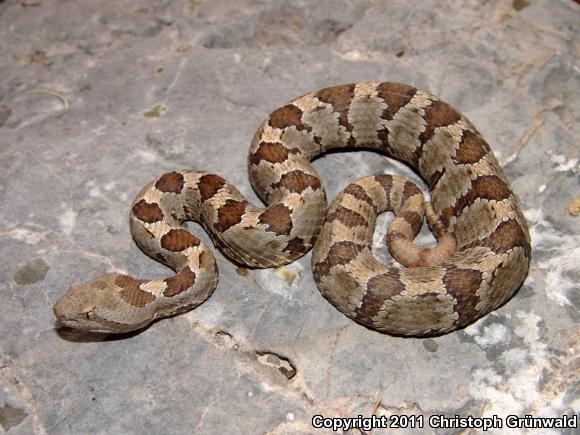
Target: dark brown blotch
386 182
359 193
177 240
180 282
351 142
489 187
435 177
471 149
413 218
288 116
383 135
507 235
209 185
409 190
230 214
379 288
295 247
146 212
339 97
339 254
131 292
463 284
438 114
297 181
278 219
273 152
172 182
396 95
348 217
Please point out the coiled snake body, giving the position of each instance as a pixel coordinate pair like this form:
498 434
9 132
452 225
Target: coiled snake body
481 258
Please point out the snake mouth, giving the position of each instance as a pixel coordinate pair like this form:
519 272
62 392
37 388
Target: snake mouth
88 321
76 323
79 319
84 325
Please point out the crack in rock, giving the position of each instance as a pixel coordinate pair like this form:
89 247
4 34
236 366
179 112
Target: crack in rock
281 363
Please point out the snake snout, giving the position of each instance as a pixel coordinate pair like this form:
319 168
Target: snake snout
74 308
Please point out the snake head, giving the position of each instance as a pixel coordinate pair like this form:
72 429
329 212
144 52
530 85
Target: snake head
98 306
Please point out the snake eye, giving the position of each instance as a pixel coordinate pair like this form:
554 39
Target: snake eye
89 313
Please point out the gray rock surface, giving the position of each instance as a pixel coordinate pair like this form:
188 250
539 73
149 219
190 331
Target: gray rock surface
99 97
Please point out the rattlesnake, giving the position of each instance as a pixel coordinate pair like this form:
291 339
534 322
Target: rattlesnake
481 258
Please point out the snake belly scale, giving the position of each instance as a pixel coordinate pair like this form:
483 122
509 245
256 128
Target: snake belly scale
481 257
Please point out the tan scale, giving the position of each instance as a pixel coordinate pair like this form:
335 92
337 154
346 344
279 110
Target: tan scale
325 125
440 149
365 111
